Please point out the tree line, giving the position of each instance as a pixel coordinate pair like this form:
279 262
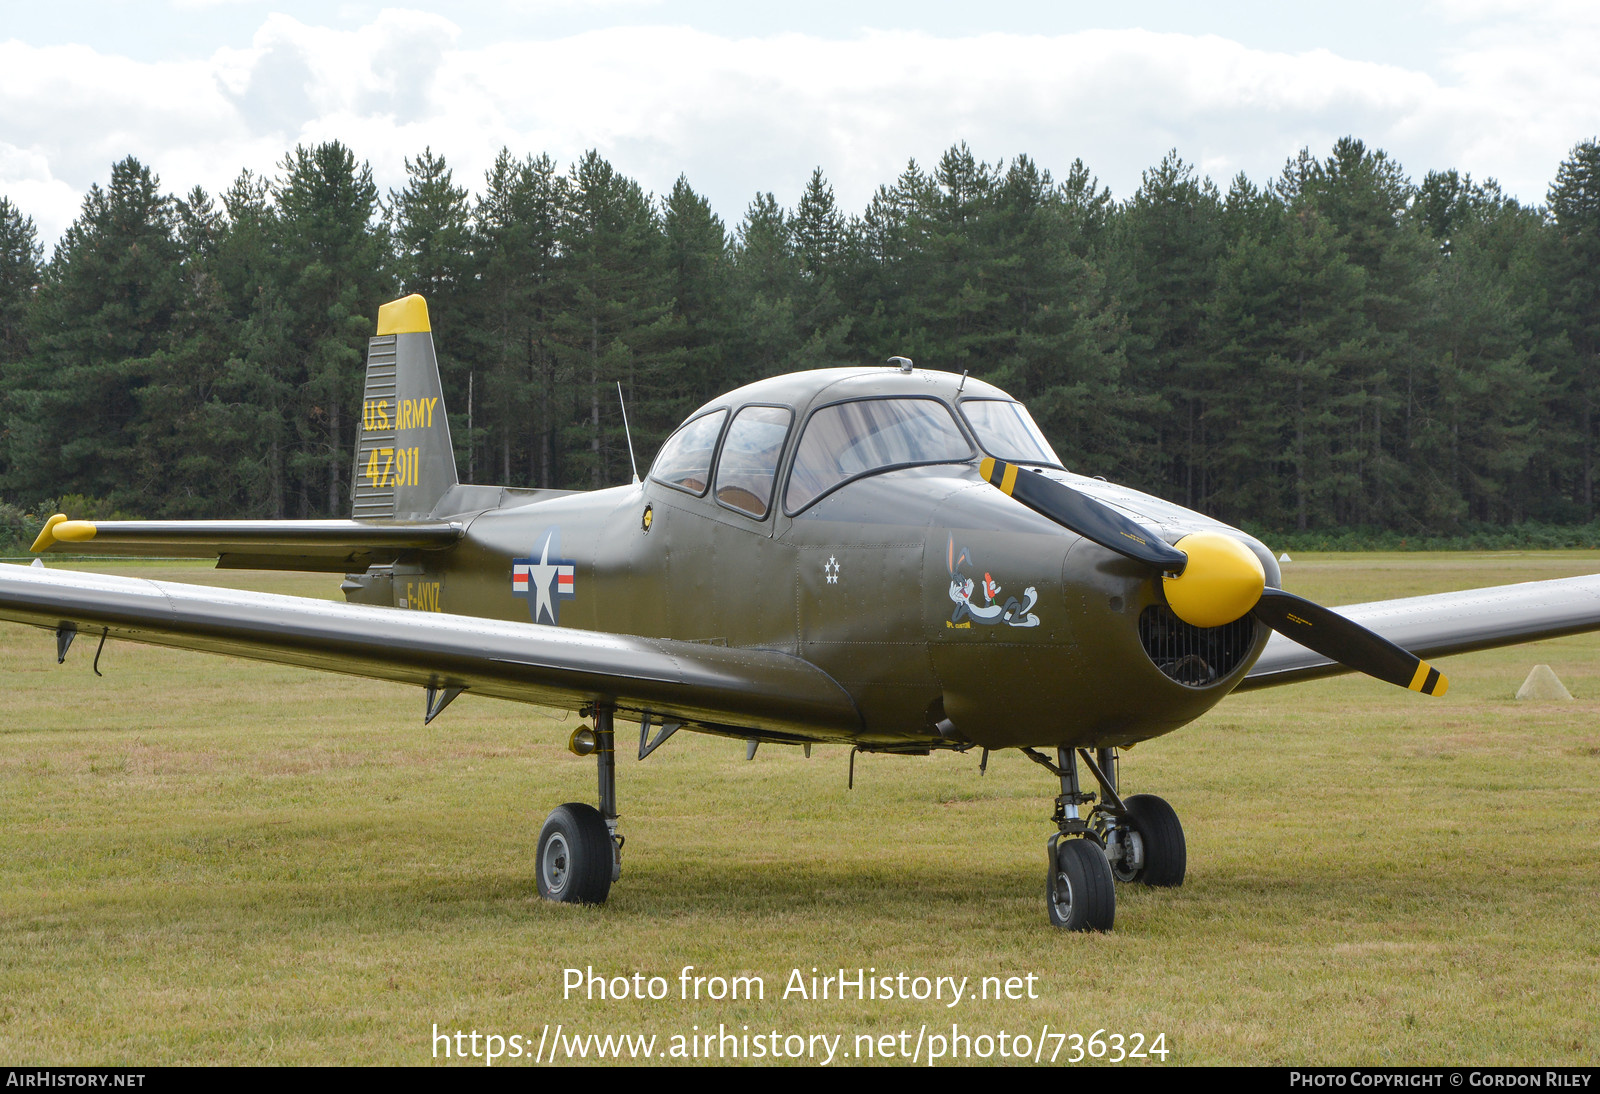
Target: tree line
1338 347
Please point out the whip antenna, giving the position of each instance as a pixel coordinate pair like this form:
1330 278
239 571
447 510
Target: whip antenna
626 432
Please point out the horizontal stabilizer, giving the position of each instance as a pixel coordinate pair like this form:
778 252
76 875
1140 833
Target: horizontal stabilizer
333 546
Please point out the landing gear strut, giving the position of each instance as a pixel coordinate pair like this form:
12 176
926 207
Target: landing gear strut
580 850
1078 888
1135 839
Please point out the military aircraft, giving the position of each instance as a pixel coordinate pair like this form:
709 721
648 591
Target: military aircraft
887 558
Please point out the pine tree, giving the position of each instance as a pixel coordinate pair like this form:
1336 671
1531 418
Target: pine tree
430 223
764 290
1162 262
700 269
1364 197
20 255
1572 277
1286 325
188 470
616 323
1051 336
516 238
253 411
817 235
335 256
104 310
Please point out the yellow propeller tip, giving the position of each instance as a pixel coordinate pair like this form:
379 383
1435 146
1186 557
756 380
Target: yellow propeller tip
1429 680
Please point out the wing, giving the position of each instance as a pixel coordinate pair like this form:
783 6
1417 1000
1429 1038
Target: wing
1446 623
332 546
712 687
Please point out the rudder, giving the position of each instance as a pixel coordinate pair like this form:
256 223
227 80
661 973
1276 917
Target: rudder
404 461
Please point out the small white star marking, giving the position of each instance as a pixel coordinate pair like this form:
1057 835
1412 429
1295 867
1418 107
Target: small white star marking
831 570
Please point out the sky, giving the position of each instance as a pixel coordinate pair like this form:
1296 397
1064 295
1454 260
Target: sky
742 98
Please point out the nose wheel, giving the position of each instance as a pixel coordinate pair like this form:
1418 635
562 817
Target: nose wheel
1079 891
1136 840
1145 845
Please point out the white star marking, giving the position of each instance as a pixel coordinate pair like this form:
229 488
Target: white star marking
831 569
541 576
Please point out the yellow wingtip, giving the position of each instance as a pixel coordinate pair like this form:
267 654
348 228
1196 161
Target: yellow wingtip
408 315
75 531
47 534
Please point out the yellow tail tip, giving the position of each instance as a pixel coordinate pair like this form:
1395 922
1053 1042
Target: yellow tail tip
408 315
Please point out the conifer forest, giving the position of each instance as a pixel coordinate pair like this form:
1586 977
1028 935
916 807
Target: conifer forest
1339 347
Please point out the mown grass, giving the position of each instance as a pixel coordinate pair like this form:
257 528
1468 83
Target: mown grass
213 861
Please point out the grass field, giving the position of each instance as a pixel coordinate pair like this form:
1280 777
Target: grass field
213 861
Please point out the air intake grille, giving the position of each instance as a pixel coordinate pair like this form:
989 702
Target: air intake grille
1194 656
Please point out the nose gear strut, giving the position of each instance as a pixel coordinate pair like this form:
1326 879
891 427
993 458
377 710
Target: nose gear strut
1137 839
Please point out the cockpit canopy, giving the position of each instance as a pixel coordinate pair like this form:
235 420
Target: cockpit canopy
1006 431
847 440
741 453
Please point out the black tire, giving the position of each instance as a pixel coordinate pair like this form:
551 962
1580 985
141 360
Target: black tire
1163 854
573 864
1079 892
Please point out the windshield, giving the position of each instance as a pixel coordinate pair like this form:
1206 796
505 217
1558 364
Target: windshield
850 439
1007 431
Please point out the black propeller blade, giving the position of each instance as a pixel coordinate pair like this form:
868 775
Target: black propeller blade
1225 583
1080 513
1337 638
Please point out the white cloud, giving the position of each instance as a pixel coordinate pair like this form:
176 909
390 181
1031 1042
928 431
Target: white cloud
738 115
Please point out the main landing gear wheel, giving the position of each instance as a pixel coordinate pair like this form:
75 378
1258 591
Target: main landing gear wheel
1080 891
575 855
1147 845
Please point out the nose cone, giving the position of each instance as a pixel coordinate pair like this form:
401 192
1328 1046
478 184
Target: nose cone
1222 581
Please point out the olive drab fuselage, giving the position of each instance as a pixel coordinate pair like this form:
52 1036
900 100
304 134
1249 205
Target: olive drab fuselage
948 611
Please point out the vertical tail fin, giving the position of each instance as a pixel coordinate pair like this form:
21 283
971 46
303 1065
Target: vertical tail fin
404 462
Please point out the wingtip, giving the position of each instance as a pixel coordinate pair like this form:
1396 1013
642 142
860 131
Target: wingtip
46 534
58 529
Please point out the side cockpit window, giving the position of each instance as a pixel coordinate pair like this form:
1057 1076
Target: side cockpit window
1006 430
847 440
749 460
685 460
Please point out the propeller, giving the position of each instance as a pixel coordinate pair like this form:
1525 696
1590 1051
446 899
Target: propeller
1211 579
